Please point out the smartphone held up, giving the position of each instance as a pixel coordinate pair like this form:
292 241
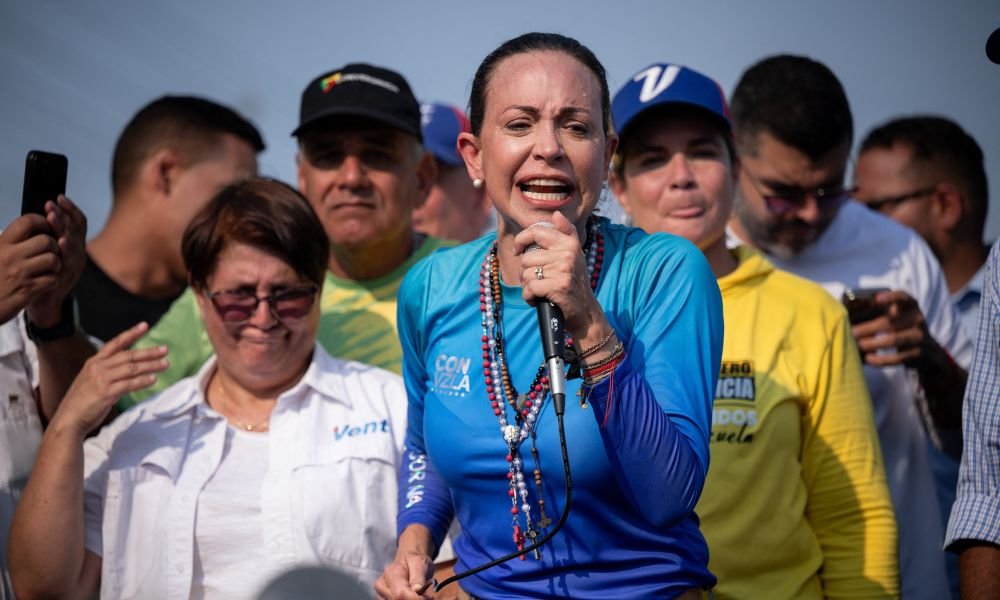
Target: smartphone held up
861 305
44 180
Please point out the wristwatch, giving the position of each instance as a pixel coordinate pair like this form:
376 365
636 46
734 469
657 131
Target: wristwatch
63 329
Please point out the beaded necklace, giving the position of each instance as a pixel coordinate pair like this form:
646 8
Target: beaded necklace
501 391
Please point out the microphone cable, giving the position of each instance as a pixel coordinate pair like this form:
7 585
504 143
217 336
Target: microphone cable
559 404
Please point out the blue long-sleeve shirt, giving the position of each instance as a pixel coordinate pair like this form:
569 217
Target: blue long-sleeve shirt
636 477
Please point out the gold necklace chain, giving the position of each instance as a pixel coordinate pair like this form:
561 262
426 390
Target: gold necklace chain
259 427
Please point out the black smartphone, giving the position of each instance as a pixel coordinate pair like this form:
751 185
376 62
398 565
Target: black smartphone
860 304
44 180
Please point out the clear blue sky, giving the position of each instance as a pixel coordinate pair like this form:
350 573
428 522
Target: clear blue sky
72 73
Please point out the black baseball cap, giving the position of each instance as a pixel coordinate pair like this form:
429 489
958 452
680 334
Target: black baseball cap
362 90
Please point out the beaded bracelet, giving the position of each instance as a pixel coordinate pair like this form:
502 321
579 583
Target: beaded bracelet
575 360
617 350
594 349
597 375
600 371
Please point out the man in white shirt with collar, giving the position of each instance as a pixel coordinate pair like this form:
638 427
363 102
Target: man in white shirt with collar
927 173
793 130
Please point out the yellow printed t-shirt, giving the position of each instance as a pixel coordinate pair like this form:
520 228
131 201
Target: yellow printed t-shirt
795 504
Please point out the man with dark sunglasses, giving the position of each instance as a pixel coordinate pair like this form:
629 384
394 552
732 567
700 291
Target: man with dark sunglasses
793 131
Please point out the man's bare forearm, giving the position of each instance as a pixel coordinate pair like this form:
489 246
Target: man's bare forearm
979 570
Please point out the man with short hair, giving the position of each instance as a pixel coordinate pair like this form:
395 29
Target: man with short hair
927 173
455 208
363 169
793 129
170 159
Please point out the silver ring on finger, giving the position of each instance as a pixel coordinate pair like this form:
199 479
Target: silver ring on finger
538 273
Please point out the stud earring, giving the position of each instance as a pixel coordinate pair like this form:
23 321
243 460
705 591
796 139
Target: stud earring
477 183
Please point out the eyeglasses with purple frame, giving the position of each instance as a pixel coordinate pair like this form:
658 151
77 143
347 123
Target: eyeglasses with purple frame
237 306
791 199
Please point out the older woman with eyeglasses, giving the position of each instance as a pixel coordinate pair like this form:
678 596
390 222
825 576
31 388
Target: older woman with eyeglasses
274 455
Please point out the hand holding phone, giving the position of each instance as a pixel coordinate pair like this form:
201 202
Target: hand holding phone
861 305
42 253
44 180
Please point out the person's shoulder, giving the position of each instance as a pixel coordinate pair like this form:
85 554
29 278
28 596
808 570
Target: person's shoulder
446 252
179 396
803 295
648 256
430 244
790 288
872 227
180 314
143 426
360 383
447 260
362 373
884 241
431 249
775 287
639 245
864 245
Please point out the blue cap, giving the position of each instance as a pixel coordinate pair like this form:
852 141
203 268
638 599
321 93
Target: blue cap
441 124
664 83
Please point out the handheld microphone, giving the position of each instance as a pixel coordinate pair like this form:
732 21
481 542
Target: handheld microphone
551 326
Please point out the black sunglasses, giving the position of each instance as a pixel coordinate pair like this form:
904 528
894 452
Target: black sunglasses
881 204
237 306
792 199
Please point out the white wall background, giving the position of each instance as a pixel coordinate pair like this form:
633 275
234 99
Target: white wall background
72 73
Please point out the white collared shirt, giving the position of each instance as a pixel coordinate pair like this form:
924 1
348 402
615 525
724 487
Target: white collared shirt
20 427
328 494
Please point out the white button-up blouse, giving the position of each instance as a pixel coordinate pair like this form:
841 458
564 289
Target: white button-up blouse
329 493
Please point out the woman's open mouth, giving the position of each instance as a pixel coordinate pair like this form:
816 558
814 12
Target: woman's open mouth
545 190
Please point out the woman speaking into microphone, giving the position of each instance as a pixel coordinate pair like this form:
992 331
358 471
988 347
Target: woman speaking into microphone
643 323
